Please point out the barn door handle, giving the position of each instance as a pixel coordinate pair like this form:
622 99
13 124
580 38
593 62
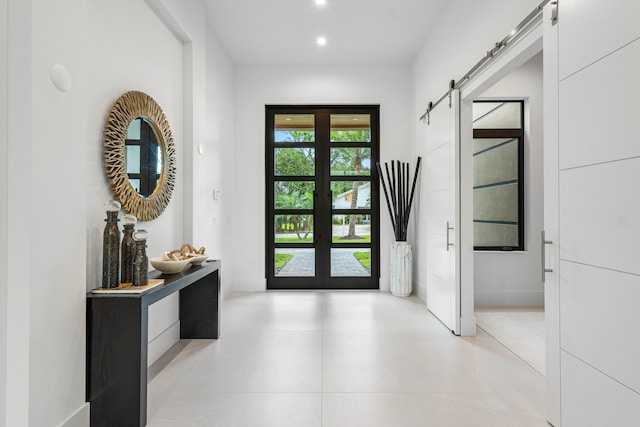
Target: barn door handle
543 244
448 242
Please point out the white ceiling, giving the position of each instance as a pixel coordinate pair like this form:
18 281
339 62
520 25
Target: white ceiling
357 31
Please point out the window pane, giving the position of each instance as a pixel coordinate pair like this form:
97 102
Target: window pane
351 194
350 262
350 161
293 262
132 158
350 128
497 115
293 194
495 235
353 228
135 183
294 128
497 204
495 165
293 229
294 161
133 131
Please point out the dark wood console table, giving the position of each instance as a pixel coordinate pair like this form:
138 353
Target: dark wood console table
117 338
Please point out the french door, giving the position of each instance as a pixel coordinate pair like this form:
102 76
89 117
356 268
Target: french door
322 206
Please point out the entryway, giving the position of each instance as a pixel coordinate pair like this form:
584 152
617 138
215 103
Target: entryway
509 211
322 210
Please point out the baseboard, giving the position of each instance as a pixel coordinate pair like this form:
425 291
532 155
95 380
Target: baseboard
80 418
385 284
506 298
162 343
166 358
249 285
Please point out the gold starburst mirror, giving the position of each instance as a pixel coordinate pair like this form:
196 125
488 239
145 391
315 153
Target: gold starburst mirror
139 155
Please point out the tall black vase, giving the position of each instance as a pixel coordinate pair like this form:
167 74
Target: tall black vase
111 248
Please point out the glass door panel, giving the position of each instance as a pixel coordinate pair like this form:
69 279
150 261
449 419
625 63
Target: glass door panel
351 228
350 128
348 161
351 262
294 262
294 128
351 194
293 229
294 161
294 194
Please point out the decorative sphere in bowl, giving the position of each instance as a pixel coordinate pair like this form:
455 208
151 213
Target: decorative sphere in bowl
169 267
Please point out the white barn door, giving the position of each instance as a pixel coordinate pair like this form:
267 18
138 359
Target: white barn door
442 207
595 254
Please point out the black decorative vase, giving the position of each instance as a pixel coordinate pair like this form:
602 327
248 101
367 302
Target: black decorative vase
111 247
128 248
140 259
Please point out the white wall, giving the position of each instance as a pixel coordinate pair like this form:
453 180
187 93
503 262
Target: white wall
219 157
53 185
156 69
67 171
4 178
258 85
208 105
130 59
17 206
513 278
459 39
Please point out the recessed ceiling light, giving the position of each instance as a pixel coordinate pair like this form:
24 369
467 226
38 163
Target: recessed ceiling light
321 41
321 2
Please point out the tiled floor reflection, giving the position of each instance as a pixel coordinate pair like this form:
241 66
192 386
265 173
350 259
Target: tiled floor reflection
343 359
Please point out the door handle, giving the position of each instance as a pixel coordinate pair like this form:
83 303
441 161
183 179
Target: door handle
448 242
543 244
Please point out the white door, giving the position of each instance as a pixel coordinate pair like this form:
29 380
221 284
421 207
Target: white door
594 189
549 241
442 218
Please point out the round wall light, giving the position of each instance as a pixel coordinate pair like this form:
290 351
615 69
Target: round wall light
61 78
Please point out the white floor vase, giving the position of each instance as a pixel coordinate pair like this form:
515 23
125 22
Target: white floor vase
401 269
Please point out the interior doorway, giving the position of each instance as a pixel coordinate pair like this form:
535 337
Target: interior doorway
322 210
509 294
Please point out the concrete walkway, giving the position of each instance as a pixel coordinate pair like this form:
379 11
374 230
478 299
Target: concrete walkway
343 263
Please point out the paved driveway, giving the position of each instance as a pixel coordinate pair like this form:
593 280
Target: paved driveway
343 263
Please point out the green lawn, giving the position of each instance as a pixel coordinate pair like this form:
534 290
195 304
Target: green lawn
309 239
358 239
282 259
363 258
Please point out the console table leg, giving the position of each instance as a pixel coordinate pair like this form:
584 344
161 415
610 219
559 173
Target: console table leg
199 305
117 368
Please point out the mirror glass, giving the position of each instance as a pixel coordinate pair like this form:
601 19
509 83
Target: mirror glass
143 156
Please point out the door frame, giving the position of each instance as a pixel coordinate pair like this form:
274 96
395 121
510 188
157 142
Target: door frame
323 210
516 54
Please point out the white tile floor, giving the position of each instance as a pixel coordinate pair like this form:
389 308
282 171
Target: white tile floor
520 329
343 359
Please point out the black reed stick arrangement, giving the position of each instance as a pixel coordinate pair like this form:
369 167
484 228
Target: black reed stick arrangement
399 200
